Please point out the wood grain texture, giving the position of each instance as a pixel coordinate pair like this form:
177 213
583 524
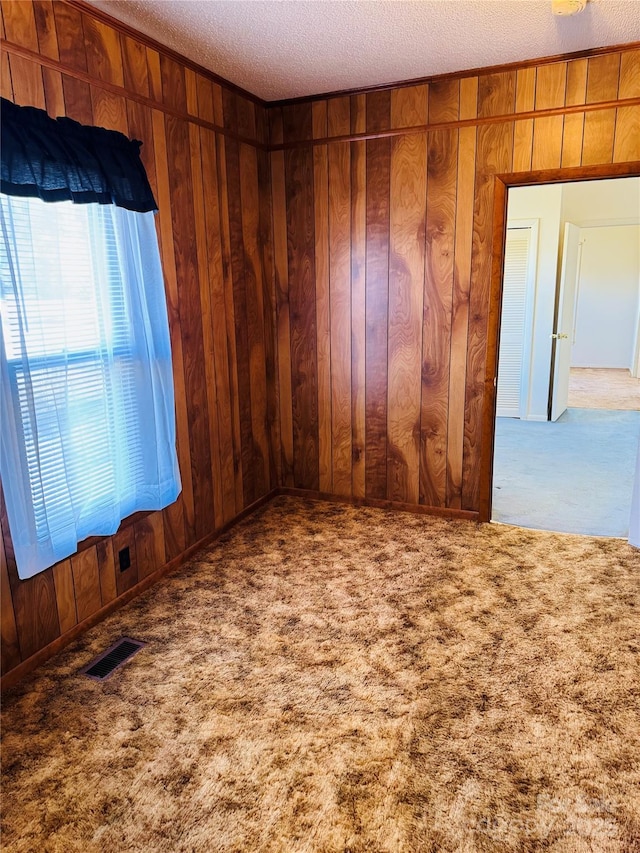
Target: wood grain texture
358 312
603 77
496 93
174 92
409 106
195 223
573 128
65 595
53 92
253 251
444 100
494 152
547 142
107 571
86 582
6 86
134 66
283 327
199 517
219 368
551 83
125 580
28 86
627 136
406 279
378 169
20 24
340 314
460 313
9 646
229 314
69 29
36 612
629 84
149 539
104 56
266 255
46 29
174 515
323 303
339 116
249 471
302 304
207 327
442 168
255 314
598 135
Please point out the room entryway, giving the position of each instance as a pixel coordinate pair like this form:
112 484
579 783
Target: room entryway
568 396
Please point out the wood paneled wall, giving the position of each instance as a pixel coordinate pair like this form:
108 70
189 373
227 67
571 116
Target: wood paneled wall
383 214
205 154
327 268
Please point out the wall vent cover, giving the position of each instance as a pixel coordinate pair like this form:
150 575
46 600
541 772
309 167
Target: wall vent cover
115 656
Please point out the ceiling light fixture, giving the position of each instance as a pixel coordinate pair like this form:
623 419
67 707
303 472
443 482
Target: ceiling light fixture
567 7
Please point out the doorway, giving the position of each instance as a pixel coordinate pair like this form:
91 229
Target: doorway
565 461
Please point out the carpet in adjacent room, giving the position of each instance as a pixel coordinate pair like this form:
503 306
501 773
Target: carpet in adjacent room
572 476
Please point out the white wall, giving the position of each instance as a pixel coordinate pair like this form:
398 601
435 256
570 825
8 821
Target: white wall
543 203
608 297
609 202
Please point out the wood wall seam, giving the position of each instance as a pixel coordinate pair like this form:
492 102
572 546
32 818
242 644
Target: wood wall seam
462 123
126 30
458 75
77 74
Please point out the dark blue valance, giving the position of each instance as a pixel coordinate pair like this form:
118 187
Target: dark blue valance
61 160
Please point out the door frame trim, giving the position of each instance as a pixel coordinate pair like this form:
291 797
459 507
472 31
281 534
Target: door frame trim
502 184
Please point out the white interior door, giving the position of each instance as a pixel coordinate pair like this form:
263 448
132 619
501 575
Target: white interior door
565 325
515 339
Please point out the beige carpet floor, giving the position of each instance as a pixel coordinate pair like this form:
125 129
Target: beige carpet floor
328 678
602 388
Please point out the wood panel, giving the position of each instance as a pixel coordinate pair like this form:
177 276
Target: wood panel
9 646
249 471
358 297
323 301
429 255
378 171
406 276
460 313
254 289
302 306
576 92
65 595
283 323
493 155
340 313
442 168
86 582
210 207
328 304
523 130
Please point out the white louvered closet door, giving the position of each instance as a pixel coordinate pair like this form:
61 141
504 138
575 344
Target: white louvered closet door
510 393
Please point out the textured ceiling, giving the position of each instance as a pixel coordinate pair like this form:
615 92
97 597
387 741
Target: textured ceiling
288 48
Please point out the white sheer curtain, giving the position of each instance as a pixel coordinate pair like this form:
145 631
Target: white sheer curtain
86 405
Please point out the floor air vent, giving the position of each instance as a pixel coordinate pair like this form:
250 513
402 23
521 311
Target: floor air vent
106 663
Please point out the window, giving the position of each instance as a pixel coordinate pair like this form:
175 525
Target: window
86 405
